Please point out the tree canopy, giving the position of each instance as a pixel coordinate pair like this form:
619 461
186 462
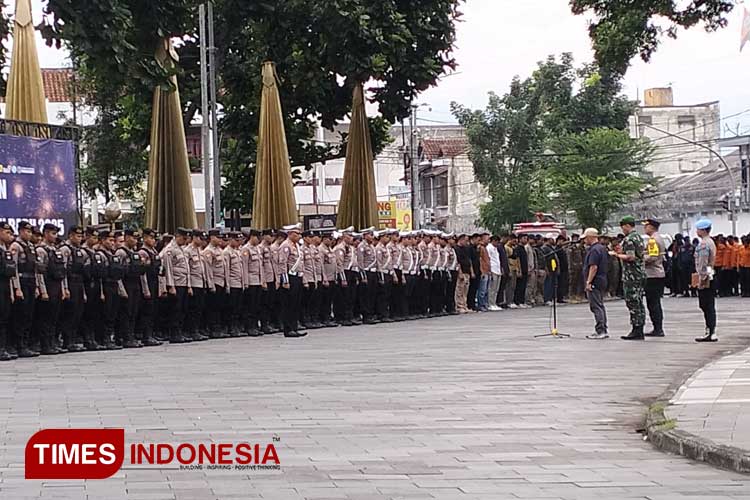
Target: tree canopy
596 172
622 30
509 140
321 48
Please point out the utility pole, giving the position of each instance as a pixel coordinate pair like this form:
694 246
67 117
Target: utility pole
416 209
205 144
214 120
731 205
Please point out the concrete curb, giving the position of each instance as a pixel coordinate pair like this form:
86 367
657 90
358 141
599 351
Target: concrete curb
665 435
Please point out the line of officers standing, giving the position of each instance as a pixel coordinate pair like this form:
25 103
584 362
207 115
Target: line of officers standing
103 290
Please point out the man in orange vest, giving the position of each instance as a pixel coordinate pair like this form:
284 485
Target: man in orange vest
733 266
721 259
744 263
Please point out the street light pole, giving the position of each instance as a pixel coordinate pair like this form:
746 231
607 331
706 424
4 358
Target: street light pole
205 153
214 120
733 181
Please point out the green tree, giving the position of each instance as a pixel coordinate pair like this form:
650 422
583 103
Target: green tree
624 29
509 138
321 48
595 172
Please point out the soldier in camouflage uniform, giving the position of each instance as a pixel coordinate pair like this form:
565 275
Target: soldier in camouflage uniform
576 253
631 254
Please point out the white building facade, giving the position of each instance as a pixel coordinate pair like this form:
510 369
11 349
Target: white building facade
659 117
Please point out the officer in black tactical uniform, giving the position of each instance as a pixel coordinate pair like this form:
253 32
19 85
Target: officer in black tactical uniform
51 279
8 283
112 288
136 288
23 307
78 266
144 327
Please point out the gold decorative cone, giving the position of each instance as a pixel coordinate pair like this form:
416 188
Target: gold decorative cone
25 92
169 199
358 206
274 205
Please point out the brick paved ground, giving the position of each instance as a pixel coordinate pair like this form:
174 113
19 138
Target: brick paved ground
715 402
449 408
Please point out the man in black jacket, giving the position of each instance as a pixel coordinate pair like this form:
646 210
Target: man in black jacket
473 249
465 273
564 278
519 252
505 267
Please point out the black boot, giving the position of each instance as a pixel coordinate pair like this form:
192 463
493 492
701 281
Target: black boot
656 332
710 336
635 334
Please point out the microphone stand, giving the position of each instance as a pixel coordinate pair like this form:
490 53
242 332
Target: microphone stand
554 332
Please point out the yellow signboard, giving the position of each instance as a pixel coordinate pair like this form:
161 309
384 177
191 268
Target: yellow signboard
395 214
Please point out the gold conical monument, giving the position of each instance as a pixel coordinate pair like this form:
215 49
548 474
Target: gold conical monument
169 199
274 205
358 206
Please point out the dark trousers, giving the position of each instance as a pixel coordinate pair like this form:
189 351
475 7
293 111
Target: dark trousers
437 292
501 291
720 282
48 312
310 302
325 302
371 294
23 316
5 308
235 310
745 281
398 304
196 305
654 293
471 296
707 303
350 294
216 304
176 307
410 293
423 291
72 312
144 327
269 302
384 283
734 280
129 310
107 314
252 308
337 299
519 295
450 291
596 305
682 281
291 302
563 281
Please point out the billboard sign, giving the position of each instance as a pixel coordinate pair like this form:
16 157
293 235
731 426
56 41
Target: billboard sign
37 181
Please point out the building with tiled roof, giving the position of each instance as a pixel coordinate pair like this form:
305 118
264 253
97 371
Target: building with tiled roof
444 147
57 85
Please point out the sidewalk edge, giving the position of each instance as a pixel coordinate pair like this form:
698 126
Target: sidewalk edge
664 435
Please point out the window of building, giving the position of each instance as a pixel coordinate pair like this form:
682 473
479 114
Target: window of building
686 121
645 120
440 190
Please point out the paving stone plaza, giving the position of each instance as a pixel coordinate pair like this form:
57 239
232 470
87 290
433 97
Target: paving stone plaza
469 407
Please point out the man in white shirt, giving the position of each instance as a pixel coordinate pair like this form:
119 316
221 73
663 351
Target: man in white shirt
496 272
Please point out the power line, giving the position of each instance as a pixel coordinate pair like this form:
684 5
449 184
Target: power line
704 124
